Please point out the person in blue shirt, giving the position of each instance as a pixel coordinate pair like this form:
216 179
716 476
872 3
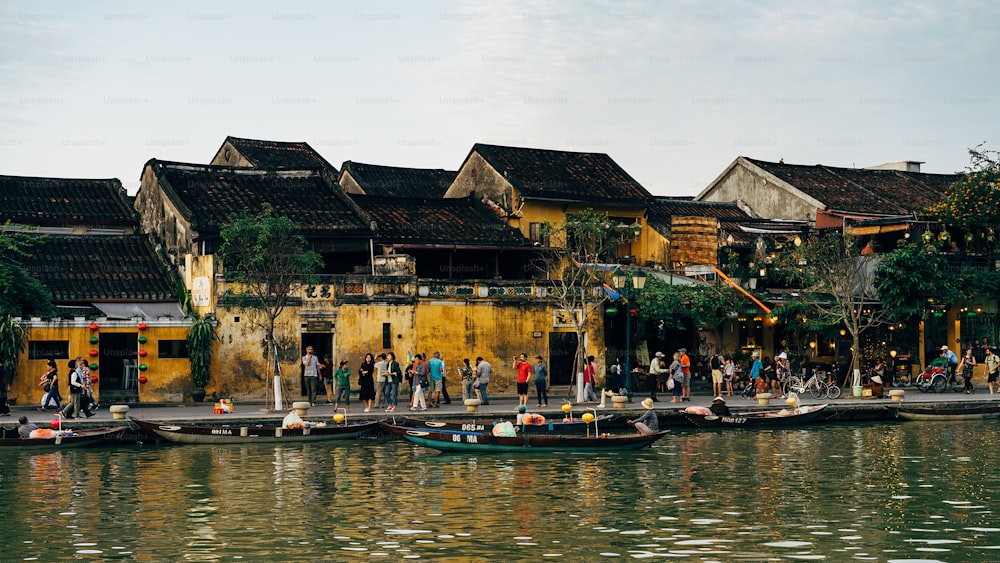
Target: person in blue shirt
436 367
756 371
952 363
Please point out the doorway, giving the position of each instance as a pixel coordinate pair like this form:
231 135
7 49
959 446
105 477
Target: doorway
117 351
562 349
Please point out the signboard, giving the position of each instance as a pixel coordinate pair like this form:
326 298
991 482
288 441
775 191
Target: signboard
563 318
201 291
319 326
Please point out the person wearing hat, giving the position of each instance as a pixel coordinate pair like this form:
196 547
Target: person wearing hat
686 368
756 370
952 363
719 407
716 363
648 423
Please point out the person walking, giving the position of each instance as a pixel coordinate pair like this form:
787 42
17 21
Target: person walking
729 373
968 364
87 392
50 382
326 374
677 375
421 381
310 371
72 409
589 380
342 378
686 368
483 371
435 368
756 371
467 374
523 374
366 381
992 368
395 377
657 373
541 373
381 378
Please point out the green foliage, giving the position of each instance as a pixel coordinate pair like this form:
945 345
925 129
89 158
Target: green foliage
200 339
20 293
265 254
12 341
972 204
910 275
705 305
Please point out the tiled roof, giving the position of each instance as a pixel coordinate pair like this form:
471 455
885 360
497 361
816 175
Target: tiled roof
101 268
392 181
279 154
862 190
64 202
453 221
210 195
549 174
660 210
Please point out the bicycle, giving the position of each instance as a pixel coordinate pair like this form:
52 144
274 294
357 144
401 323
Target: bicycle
817 386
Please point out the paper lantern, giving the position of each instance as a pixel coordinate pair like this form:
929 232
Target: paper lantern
143 379
94 326
143 353
93 353
94 339
143 326
93 378
143 367
93 367
142 340
54 424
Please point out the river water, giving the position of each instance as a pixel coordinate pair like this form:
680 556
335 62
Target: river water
887 492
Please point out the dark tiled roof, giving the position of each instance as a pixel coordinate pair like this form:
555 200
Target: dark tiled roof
210 195
101 268
549 174
861 190
392 181
660 210
453 221
64 202
279 154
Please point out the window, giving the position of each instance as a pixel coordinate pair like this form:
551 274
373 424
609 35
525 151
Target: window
45 349
172 348
536 234
386 335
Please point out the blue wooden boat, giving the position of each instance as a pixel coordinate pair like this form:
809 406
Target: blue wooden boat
556 426
253 433
455 440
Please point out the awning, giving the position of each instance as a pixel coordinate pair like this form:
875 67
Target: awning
147 311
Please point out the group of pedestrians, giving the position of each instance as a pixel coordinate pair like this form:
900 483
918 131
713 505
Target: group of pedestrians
81 392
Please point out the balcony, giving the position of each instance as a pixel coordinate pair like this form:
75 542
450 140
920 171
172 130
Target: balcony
409 289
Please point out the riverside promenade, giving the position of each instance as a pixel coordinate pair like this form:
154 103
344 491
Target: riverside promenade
503 406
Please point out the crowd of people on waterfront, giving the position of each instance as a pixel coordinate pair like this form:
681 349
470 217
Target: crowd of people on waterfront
81 393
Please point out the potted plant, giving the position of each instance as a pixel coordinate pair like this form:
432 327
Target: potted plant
200 339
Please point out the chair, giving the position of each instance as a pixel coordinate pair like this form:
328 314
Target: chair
130 379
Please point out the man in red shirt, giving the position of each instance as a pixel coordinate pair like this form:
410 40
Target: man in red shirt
686 368
523 373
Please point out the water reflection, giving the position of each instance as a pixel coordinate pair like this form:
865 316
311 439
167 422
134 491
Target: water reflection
906 491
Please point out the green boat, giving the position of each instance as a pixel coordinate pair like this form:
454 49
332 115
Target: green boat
454 440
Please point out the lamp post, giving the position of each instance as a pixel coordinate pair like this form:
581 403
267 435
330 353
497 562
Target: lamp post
621 283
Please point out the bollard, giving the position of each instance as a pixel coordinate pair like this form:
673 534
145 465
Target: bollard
301 408
897 395
118 412
619 401
472 405
764 399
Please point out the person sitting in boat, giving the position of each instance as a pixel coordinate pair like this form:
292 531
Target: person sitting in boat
648 423
25 428
719 407
524 417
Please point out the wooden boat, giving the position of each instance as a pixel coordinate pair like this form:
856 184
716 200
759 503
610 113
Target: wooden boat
253 432
455 440
701 416
951 412
557 426
63 438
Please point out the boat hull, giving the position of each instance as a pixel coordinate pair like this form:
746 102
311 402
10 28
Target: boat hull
764 419
78 439
452 440
976 412
486 425
252 433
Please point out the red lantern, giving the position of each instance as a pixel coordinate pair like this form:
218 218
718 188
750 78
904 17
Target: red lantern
93 379
54 424
143 326
94 326
93 353
143 353
143 379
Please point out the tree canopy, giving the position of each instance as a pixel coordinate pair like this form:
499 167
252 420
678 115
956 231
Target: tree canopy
20 293
972 204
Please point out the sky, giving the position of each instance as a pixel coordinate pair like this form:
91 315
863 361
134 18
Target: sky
673 91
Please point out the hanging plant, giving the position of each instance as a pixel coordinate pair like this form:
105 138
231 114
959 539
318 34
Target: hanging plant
12 341
200 339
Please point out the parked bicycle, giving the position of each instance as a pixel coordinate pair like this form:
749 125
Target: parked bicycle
818 386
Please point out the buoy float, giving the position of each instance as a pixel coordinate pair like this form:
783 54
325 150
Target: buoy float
338 418
567 407
587 417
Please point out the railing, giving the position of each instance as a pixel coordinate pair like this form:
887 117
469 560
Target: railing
359 288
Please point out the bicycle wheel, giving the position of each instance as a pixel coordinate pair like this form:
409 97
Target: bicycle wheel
817 390
939 384
833 392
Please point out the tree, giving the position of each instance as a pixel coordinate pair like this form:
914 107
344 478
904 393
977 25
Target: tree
704 305
20 293
971 205
265 255
837 280
910 275
576 262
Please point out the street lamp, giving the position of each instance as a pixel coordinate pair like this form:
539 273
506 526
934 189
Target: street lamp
621 281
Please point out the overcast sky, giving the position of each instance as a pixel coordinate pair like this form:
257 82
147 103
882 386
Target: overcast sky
673 91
